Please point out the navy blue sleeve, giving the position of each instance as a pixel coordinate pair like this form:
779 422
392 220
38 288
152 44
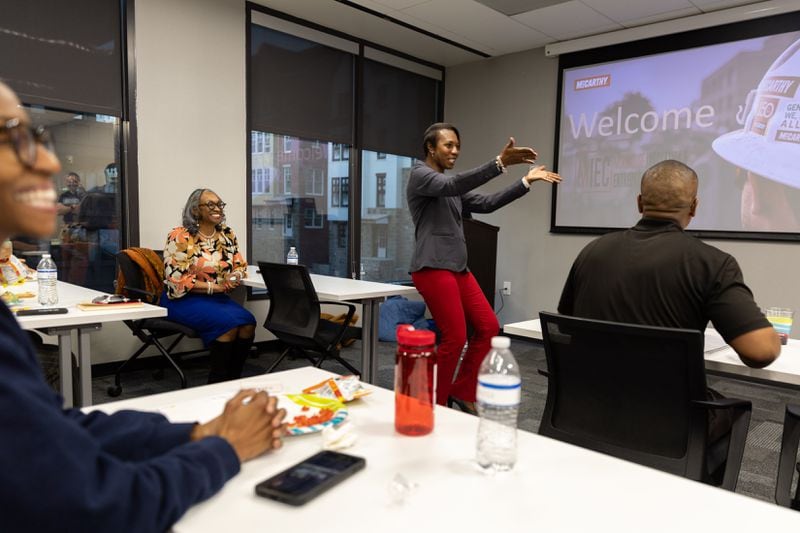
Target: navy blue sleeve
64 471
132 435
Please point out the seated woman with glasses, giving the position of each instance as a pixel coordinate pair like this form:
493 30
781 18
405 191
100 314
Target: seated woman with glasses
202 264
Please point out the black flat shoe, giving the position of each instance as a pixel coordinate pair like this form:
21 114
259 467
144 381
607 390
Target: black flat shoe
463 406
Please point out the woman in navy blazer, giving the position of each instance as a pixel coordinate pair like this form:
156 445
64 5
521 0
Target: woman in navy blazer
438 204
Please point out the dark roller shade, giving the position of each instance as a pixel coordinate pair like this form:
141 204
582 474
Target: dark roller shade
299 87
63 54
398 106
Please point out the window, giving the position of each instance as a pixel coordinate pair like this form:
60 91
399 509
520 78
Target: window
287 180
380 189
316 122
312 219
344 196
335 192
315 182
386 258
287 225
267 143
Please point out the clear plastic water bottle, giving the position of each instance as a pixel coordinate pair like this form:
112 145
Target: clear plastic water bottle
292 258
498 398
47 278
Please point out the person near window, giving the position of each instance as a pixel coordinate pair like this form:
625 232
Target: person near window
70 198
202 265
438 203
657 275
66 470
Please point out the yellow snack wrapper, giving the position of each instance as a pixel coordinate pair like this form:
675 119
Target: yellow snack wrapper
342 388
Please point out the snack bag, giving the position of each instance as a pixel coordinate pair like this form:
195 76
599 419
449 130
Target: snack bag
342 388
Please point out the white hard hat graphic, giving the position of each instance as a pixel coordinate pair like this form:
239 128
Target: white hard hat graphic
769 143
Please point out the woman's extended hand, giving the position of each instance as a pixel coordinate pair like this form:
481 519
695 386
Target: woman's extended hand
539 172
514 155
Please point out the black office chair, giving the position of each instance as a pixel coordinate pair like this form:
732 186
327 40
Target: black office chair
787 463
638 393
294 316
148 330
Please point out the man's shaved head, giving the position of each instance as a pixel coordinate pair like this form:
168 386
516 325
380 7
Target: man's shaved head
669 190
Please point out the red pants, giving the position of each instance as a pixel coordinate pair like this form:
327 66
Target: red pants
453 299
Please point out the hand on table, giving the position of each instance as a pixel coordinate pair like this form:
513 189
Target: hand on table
251 422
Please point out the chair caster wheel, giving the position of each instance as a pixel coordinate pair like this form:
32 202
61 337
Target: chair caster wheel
158 374
114 390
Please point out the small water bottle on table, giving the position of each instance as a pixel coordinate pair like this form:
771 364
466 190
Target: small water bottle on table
47 279
292 258
498 398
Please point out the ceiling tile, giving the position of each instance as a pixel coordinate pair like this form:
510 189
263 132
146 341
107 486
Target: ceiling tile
652 19
476 22
392 4
567 21
515 7
625 10
716 5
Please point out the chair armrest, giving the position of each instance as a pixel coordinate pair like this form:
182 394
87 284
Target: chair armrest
738 436
788 456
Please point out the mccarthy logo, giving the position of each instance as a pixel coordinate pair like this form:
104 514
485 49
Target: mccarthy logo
595 82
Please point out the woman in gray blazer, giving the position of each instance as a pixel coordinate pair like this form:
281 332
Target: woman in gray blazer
438 203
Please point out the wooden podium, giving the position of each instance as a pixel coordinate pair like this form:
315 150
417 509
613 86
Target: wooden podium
481 239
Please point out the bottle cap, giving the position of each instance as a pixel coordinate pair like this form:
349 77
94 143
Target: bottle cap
45 256
409 336
501 342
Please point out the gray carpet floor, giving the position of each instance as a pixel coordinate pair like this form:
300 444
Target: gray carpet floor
756 479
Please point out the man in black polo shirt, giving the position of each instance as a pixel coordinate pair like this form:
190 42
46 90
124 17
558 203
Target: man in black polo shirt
655 274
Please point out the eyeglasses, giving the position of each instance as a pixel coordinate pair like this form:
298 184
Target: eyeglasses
211 206
25 140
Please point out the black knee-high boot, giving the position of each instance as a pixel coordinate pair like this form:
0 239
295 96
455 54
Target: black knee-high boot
220 354
236 361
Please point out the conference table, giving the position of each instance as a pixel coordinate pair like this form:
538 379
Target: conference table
720 359
369 294
431 483
84 323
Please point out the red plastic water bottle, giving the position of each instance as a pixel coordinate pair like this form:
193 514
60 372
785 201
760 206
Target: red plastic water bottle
414 381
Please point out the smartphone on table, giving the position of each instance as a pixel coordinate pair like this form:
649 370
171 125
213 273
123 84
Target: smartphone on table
311 477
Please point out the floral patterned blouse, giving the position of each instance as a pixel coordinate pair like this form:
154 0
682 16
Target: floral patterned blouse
189 259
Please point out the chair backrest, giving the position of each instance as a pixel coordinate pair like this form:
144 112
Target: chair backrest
135 280
294 308
787 461
627 390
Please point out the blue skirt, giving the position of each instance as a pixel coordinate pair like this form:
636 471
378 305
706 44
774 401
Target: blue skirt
209 315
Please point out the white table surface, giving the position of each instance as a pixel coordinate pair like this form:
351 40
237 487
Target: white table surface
554 487
339 289
369 293
784 371
84 322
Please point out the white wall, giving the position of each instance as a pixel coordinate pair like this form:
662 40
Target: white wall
190 103
190 111
516 95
